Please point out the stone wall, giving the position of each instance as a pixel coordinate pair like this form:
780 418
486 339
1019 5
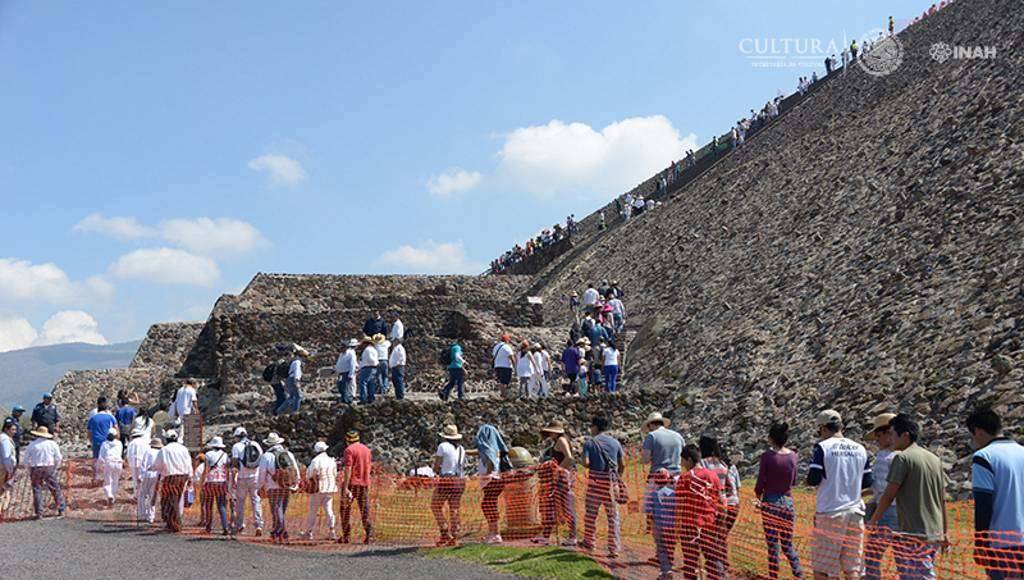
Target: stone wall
166 345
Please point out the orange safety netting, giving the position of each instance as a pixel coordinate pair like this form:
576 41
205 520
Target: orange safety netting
527 504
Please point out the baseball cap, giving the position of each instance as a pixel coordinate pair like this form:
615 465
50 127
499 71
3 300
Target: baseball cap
18 408
240 431
827 417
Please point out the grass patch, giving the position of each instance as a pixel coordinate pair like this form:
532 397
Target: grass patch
526 562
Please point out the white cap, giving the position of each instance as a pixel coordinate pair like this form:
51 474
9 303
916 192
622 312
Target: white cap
240 431
319 447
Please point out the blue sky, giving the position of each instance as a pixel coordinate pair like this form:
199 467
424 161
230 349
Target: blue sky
157 155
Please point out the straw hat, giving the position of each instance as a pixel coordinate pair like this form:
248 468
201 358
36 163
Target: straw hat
555 426
879 422
352 436
378 338
156 443
581 342
451 432
41 431
657 417
300 351
352 342
273 439
215 443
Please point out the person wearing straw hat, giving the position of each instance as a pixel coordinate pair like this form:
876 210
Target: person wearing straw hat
110 464
245 458
145 493
879 537
43 459
449 465
8 462
383 346
355 486
174 466
279 477
557 478
214 484
346 368
322 482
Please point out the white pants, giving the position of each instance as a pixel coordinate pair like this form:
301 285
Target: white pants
145 490
111 473
318 501
536 384
248 489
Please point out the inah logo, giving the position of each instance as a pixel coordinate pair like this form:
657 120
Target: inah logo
941 52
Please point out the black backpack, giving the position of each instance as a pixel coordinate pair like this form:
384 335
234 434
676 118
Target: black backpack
250 455
446 356
281 371
269 371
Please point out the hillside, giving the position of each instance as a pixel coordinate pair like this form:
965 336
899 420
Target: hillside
864 253
32 371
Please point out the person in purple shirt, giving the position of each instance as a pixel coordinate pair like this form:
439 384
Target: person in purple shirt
571 364
776 477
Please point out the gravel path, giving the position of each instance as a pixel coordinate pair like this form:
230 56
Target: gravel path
64 549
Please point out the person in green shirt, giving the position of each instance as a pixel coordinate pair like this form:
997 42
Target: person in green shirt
917 483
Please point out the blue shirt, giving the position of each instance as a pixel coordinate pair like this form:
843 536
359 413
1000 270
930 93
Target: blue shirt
998 469
595 459
661 505
665 447
125 415
571 361
457 360
99 426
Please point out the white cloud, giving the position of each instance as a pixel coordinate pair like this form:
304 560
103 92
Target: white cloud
63 327
120 227
558 157
431 258
166 266
16 333
282 170
453 181
70 326
24 281
213 237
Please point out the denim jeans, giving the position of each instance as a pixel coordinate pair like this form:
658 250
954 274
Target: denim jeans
382 377
278 397
344 386
665 545
293 397
611 377
456 379
367 385
777 519
278 509
599 495
1007 563
915 559
879 540
44 479
398 378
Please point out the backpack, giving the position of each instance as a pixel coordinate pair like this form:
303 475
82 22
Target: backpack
285 474
269 371
250 455
281 371
445 357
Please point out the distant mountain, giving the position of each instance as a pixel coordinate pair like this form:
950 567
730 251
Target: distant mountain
28 373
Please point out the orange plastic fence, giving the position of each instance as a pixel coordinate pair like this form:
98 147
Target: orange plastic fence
537 502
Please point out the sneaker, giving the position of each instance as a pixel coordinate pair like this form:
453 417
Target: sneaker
306 535
259 532
569 543
332 536
343 540
613 555
540 541
368 539
587 546
493 539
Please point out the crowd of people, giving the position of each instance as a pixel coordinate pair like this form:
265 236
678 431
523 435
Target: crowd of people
535 245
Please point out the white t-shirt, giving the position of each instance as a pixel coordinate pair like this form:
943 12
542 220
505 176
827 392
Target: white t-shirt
184 400
42 453
397 330
590 296
502 354
880 472
111 451
347 362
611 357
217 464
295 370
526 365
382 350
326 470
173 459
397 357
453 459
617 307
368 358
844 463
238 452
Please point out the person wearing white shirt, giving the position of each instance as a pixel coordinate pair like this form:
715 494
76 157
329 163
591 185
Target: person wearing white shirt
346 368
368 372
397 330
245 458
397 363
143 423
526 368
293 385
449 464
503 355
271 481
382 345
110 464
610 356
43 458
544 358
135 457
590 296
323 473
8 462
145 493
618 314
174 466
186 402
214 485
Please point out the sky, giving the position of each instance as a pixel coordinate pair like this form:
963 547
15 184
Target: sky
157 155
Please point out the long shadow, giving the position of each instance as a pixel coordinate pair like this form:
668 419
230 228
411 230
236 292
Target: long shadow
383 552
